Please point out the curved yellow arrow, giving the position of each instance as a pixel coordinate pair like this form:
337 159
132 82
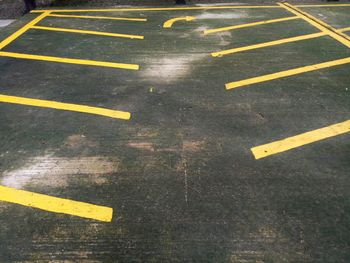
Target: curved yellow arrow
170 22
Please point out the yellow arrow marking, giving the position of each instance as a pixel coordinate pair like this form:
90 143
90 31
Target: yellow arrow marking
169 23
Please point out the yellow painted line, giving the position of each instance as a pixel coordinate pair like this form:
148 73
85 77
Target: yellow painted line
101 17
55 204
22 30
344 29
158 9
332 32
65 106
324 5
227 28
70 60
169 23
267 44
287 73
300 140
59 29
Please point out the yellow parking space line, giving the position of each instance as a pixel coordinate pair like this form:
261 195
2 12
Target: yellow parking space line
287 73
22 30
344 29
70 60
101 17
267 44
65 106
227 28
157 9
59 29
332 32
300 140
169 23
324 5
55 204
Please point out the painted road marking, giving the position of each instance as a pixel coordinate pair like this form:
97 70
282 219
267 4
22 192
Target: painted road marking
332 32
157 9
59 29
101 17
227 28
55 204
273 43
22 30
65 106
287 73
70 60
300 140
169 23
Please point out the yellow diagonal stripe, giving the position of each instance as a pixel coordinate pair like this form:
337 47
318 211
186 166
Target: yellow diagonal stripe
287 73
56 205
221 29
22 30
65 106
59 29
300 140
101 17
69 60
169 23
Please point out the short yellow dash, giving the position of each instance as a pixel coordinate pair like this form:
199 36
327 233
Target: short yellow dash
221 29
56 205
101 17
287 73
59 29
65 106
267 44
70 60
300 140
169 23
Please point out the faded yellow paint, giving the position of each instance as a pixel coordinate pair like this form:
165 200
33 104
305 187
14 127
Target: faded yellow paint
227 28
59 29
22 30
55 204
332 32
65 106
101 17
300 140
287 73
70 60
169 23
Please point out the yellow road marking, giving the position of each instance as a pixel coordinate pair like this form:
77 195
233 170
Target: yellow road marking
59 29
55 204
157 9
324 5
227 28
22 30
344 29
170 22
287 73
300 140
267 44
65 106
101 17
342 38
70 60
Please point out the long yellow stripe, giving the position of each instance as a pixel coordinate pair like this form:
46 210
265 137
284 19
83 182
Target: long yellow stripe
227 28
55 204
169 23
342 38
101 17
300 140
70 60
22 30
59 29
267 44
158 9
65 106
287 73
